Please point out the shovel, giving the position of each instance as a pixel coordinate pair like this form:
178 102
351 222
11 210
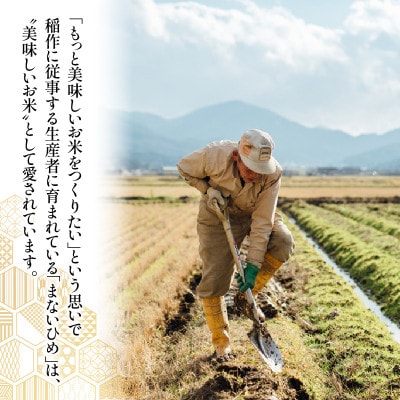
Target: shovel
259 335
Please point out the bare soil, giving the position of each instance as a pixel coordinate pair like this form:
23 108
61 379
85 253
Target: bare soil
229 379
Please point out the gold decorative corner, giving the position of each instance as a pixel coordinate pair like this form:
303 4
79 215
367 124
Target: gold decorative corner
76 386
6 252
63 288
30 323
98 361
66 360
11 216
87 331
35 388
6 324
17 288
16 360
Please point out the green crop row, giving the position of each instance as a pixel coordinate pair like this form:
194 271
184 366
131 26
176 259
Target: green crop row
378 240
374 269
351 343
372 216
391 211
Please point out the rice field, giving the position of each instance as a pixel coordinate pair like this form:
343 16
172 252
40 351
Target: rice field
333 347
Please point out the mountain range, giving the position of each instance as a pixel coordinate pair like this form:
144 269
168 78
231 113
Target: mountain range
147 141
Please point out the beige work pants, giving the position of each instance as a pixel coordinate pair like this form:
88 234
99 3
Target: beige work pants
218 265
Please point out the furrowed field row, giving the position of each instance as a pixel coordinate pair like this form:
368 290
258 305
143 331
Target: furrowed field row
174 218
139 222
376 239
140 261
138 265
369 216
123 214
155 294
156 277
133 271
376 271
134 244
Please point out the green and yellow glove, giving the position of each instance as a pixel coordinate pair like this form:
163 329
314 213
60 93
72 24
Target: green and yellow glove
250 274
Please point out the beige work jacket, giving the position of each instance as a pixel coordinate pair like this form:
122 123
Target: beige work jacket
214 166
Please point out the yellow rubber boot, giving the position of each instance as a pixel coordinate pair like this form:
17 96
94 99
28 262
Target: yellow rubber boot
269 266
217 321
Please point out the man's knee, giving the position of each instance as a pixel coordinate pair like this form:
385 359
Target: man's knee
213 288
281 244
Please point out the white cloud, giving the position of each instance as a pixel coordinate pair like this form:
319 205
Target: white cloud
278 35
148 16
374 17
373 26
343 76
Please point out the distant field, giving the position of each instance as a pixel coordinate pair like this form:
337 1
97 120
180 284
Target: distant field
292 187
146 186
340 186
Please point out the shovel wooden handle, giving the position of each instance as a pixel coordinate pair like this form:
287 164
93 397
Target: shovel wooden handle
259 336
224 218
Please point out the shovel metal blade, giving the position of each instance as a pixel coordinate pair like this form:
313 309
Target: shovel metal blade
266 346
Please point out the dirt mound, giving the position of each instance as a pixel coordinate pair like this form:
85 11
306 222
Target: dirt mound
231 379
178 322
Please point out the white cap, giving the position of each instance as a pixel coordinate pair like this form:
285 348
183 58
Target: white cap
255 150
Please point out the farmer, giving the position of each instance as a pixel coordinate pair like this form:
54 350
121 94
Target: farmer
245 178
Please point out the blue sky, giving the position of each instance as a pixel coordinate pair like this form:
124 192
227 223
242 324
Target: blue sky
320 63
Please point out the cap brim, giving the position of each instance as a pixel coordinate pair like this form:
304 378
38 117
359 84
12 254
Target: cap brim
265 167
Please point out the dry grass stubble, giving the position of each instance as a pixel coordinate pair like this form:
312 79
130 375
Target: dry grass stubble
159 277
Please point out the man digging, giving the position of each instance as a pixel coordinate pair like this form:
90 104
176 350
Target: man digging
245 178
